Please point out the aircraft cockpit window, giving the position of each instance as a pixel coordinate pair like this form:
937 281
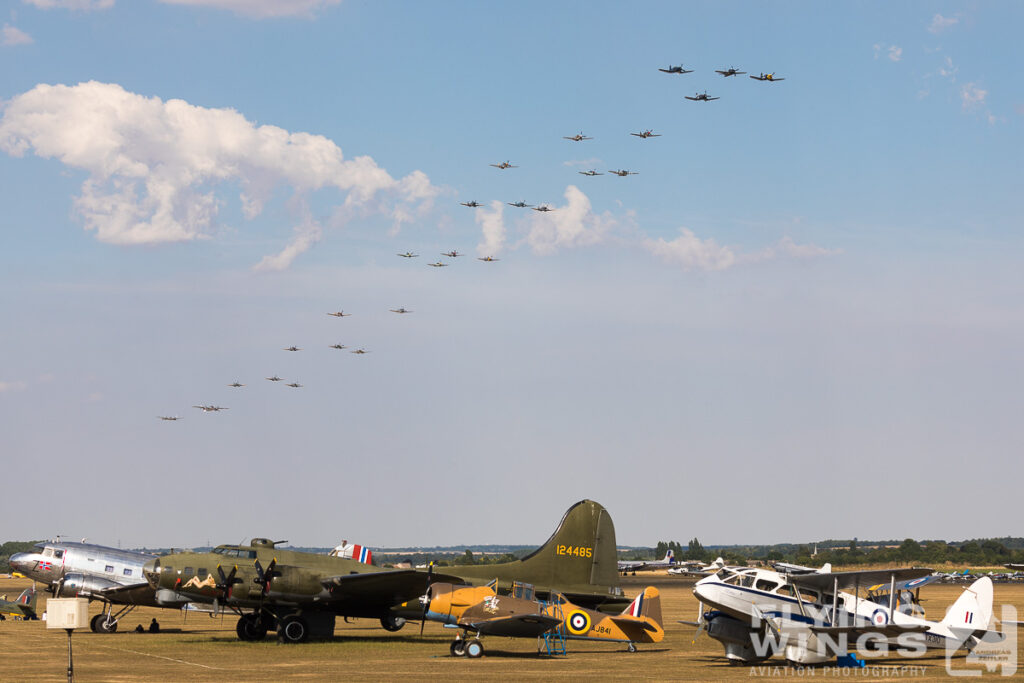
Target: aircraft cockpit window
218 551
765 585
47 552
58 553
787 590
251 554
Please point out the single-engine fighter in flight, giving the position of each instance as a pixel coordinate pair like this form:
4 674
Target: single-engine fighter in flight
169 418
579 137
590 172
480 611
22 607
340 314
767 77
730 72
701 97
210 409
675 70
622 173
236 385
520 204
294 385
408 254
291 348
471 204
300 594
504 165
543 208
275 378
452 253
399 310
338 346
438 264
359 351
647 134
487 258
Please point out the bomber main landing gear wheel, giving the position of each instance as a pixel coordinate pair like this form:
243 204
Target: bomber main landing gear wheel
474 648
293 629
458 648
392 623
251 628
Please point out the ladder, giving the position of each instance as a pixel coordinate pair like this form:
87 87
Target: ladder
554 640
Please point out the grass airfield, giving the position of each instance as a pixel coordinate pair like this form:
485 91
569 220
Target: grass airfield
200 648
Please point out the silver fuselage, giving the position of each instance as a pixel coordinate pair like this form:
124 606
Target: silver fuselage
102 567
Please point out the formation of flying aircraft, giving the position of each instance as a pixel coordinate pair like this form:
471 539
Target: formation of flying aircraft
236 384
701 97
579 137
452 253
291 348
590 172
438 264
22 607
479 610
487 258
408 254
817 616
169 418
504 165
647 134
676 70
340 314
730 72
399 310
520 204
543 208
210 409
300 594
471 204
623 173
767 77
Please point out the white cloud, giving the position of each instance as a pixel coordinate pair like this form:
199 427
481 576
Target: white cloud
12 386
786 247
941 23
492 225
972 96
895 53
691 252
86 5
10 35
948 70
263 9
153 165
572 225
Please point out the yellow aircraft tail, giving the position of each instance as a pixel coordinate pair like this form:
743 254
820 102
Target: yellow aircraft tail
641 621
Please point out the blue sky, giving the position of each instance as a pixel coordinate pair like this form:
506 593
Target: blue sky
807 302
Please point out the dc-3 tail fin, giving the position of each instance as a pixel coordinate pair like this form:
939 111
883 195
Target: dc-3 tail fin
973 609
641 621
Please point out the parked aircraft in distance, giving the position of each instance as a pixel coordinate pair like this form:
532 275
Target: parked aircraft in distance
471 204
210 409
676 70
438 264
520 204
767 77
701 97
590 172
633 565
576 138
624 173
340 314
503 165
730 72
647 134
487 258
693 568
408 254
22 607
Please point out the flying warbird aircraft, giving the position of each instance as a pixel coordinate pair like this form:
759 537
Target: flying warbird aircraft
291 348
452 253
169 418
22 607
767 77
471 204
210 409
479 610
624 173
359 351
408 254
338 346
813 618
730 72
504 165
340 314
294 385
236 384
110 575
520 204
590 172
487 258
647 134
438 264
579 137
275 378
399 310
633 565
543 208
676 70
701 97
301 593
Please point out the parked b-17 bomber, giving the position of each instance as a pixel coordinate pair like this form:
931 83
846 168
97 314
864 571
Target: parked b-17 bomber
767 77
579 137
675 70
701 97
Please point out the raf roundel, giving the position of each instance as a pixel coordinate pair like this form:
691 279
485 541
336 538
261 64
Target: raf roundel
578 623
880 617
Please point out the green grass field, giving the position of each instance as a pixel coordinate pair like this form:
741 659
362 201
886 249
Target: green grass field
198 648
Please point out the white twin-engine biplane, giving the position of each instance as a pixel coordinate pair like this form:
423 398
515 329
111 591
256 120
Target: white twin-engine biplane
814 617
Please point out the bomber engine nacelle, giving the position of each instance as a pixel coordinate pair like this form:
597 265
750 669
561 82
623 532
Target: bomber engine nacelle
77 584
